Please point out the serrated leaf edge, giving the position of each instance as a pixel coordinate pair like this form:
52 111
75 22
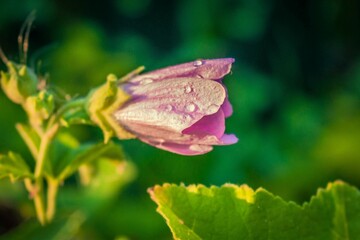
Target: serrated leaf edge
194 188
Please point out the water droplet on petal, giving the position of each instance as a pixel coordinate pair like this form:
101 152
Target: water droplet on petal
159 140
188 89
198 63
190 107
187 117
146 81
213 108
168 108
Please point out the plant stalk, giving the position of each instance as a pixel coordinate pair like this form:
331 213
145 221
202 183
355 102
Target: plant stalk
43 150
38 188
36 192
53 186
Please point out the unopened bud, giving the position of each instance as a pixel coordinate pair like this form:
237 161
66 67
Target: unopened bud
19 82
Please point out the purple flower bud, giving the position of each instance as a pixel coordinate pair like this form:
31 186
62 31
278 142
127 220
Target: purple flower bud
181 109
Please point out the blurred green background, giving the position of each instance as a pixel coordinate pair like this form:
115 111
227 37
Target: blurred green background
295 89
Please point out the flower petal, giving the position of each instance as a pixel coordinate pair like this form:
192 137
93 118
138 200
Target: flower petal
175 104
159 135
228 139
209 69
182 149
209 125
227 107
181 109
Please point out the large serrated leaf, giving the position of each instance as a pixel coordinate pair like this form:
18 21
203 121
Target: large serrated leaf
238 212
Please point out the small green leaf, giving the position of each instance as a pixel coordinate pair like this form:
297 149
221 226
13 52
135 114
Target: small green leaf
108 177
30 137
76 116
13 166
61 153
238 212
86 154
74 112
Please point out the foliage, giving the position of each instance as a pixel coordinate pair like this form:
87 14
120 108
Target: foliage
239 212
294 87
56 153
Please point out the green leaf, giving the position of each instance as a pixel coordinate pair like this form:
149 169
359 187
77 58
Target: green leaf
13 166
103 180
86 154
61 153
30 137
238 212
108 177
74 112
76 116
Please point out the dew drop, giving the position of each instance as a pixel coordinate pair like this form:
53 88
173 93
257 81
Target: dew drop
159 140
198 63
188 89
213 108
190 107
187 117
146 81
168 108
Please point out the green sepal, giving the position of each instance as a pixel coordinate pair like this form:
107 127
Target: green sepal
39 107
19 82
101 105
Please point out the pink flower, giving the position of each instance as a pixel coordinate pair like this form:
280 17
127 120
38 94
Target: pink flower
181 109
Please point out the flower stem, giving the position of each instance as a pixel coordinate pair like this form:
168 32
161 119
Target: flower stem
52 190
39 202
38 188
36 192
43 150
